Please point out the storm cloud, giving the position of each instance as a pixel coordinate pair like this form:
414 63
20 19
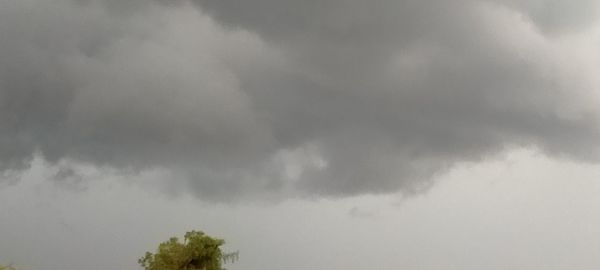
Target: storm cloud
330 97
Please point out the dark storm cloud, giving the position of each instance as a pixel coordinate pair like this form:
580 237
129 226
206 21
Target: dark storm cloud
278 97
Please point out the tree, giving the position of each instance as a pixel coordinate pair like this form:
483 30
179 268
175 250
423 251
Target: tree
7 267
197 252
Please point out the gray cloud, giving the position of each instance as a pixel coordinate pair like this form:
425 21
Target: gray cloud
277 98
556 16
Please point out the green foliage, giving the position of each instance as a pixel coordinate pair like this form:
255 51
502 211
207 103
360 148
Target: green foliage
7 267
197 252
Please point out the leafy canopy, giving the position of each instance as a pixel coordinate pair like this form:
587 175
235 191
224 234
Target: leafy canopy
197 252
7 267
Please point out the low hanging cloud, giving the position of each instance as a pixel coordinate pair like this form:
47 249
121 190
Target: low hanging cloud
556 16
241 98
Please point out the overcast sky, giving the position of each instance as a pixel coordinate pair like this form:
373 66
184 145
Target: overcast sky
315 134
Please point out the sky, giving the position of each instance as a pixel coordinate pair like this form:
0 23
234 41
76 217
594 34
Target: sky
329 134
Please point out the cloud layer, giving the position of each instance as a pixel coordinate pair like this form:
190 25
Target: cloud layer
234 99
